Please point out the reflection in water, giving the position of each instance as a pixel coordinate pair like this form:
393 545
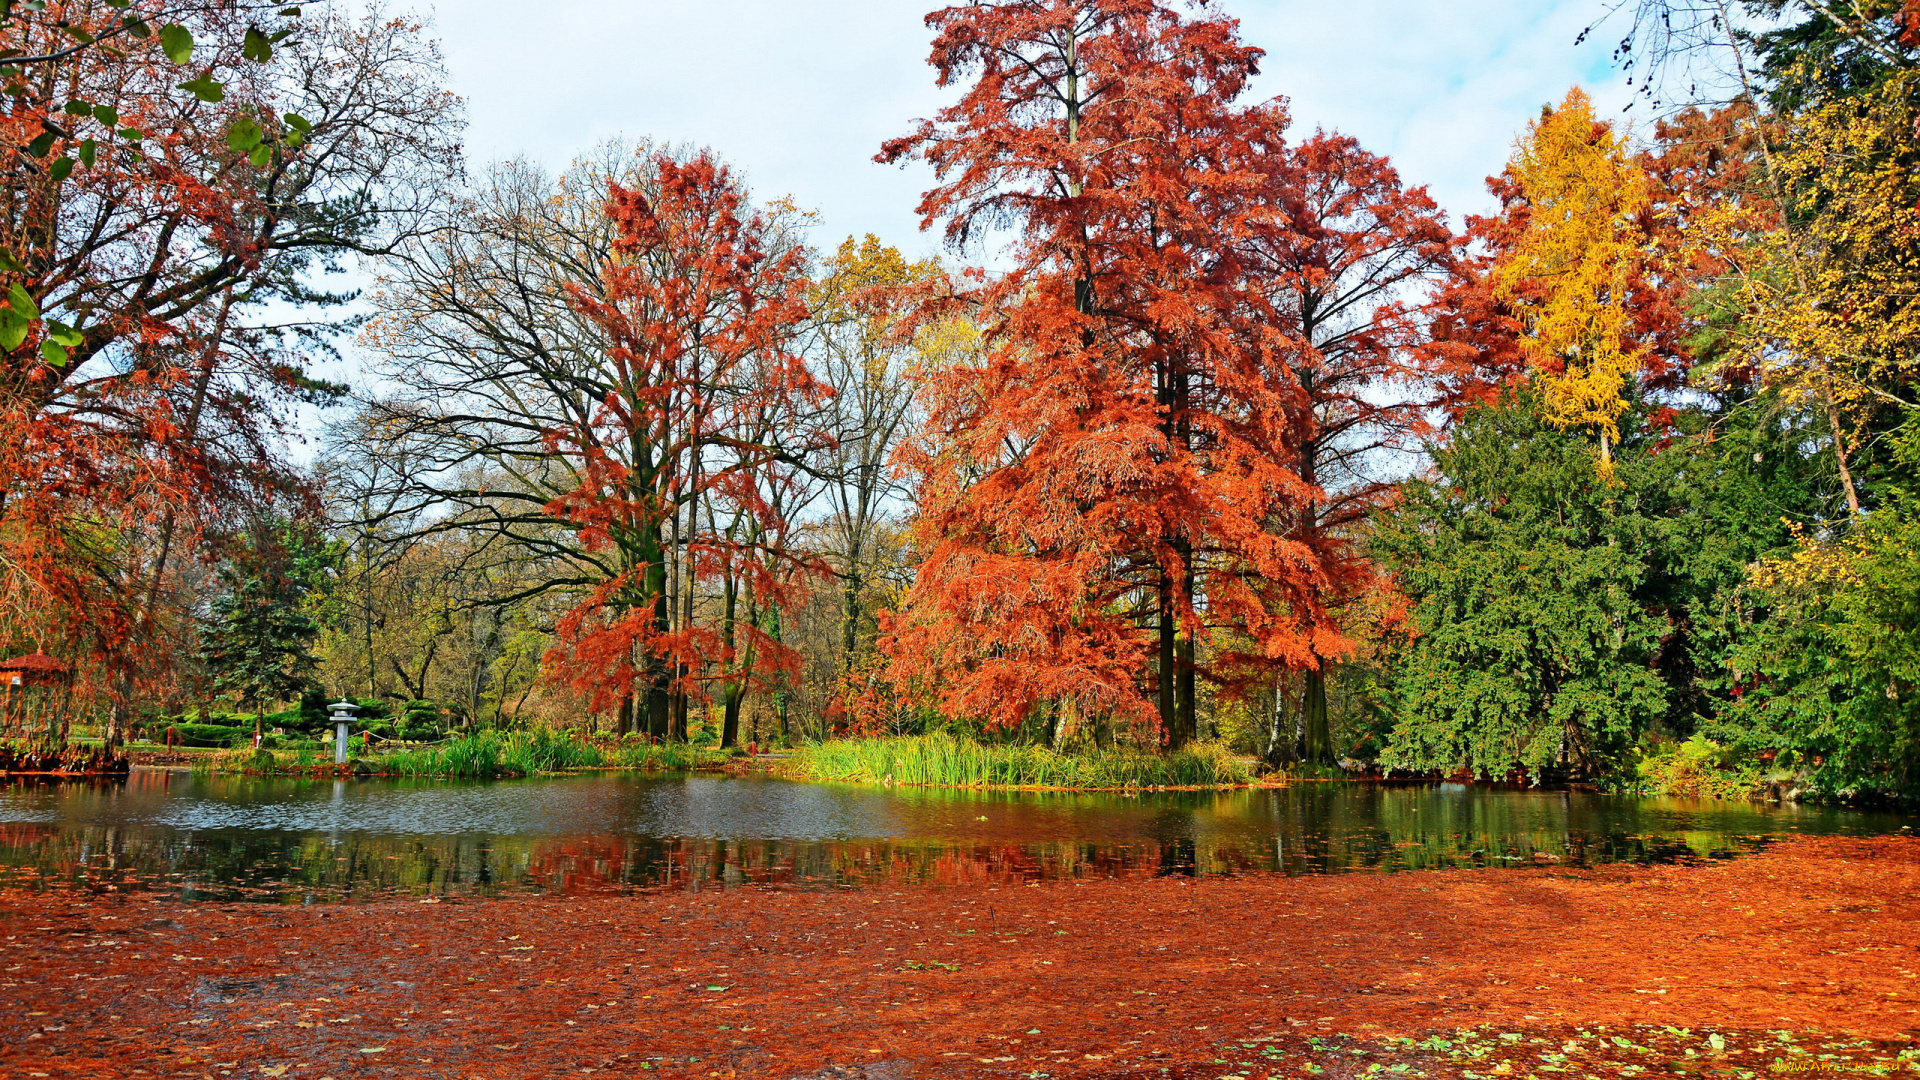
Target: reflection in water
286 839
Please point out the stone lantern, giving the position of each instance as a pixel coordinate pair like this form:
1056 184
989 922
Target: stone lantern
342 714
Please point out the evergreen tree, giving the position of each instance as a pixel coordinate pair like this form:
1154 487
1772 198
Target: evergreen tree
1563 614
256 641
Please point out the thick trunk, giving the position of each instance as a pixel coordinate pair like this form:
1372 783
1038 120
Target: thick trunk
736 685
1169 721
730 719
1316 740
624 723
1186 717
850 617
779 696
659 678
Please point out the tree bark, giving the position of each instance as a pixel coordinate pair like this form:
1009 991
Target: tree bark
1316 738
1169 720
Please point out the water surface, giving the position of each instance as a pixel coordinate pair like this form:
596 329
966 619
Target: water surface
223 837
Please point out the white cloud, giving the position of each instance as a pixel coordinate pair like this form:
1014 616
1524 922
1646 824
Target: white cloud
799 94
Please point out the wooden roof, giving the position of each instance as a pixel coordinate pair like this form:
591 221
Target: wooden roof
34 661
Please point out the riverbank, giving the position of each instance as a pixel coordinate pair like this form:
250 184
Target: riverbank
927 760
478 755
949 761
1803 950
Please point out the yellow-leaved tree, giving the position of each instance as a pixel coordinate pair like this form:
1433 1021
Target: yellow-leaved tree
1570 273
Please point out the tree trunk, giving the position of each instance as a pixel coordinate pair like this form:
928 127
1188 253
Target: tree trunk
1169 722
624 723
1186 716
1316 740
730 718
1283 733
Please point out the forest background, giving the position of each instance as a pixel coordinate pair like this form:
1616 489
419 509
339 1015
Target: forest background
1234 438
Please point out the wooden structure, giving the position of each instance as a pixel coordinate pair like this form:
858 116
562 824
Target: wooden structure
36 714
39 701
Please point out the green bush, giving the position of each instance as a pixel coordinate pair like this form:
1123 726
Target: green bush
1698 767
420 721
947 761
219 735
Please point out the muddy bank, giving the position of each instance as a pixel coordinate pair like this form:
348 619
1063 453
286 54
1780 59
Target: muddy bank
1250 976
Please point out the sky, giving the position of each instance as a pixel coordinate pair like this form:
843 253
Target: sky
799 94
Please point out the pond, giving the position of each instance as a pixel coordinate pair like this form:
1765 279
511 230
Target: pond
293 840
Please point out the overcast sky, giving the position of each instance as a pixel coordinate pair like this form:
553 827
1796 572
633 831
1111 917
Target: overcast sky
799 94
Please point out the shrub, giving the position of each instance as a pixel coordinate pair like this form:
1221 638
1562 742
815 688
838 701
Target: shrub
1698 767
205 734
948 761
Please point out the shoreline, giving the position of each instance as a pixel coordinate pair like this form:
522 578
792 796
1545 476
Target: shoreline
1085 978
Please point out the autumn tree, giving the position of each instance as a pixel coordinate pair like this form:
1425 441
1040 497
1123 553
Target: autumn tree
1340 266
602 370
1570 272
170 194
866 348
1125 434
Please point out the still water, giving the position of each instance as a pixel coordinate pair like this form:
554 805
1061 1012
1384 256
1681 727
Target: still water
292 840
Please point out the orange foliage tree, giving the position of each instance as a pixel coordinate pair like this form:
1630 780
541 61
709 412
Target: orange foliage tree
1580 281
1338 267
692 444
165 180
1118 480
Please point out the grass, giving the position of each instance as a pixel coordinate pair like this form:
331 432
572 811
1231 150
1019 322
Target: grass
949 761
477 755
524 753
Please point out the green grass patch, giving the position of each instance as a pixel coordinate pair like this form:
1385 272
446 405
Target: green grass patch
525 753
949 761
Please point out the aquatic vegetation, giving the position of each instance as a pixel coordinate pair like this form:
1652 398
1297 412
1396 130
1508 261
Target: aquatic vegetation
952 761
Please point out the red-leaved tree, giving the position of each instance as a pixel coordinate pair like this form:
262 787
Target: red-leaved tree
1119 479
164 184
691 448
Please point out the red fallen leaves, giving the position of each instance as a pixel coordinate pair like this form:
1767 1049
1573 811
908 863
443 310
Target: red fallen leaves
1123 975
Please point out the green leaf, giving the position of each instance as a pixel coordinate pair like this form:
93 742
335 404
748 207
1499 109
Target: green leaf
294 139
244 135
137 26
205 88
9 262
255 46
290 12
131 134
54 354
60 169
299 123
76 107
13 329
261 155
64 334
40 146
22 302
88 152
177 40
106 114
119 5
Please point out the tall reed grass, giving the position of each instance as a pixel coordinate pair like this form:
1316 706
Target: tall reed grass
524 753
949 761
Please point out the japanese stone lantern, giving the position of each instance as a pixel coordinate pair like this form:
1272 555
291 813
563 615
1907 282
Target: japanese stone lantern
342 714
